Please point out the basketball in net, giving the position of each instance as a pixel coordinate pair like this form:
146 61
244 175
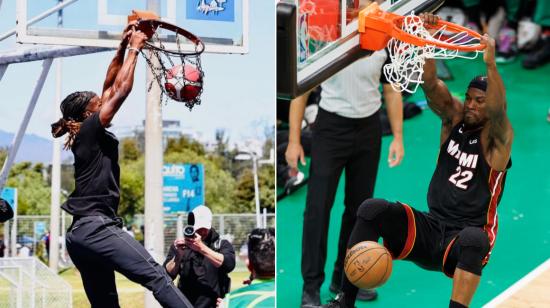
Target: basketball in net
173 57
183 83
368 265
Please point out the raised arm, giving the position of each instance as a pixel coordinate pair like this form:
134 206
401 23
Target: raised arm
294 150
124 81
118 60
499 129
448 108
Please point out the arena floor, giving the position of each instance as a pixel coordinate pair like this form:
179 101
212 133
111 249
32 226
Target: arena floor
523 241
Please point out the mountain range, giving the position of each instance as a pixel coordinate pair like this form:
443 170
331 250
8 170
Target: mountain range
33 148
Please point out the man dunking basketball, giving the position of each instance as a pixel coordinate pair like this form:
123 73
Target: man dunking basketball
457 235
95 241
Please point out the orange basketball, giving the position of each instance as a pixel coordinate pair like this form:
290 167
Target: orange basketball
368 265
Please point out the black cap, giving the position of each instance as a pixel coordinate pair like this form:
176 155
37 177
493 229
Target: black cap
479 82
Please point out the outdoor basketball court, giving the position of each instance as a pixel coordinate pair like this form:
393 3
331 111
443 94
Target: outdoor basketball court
523 241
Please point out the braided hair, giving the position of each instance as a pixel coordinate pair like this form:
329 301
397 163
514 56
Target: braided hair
73 108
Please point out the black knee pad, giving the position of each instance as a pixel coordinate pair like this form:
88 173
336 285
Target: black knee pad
473 244
371 209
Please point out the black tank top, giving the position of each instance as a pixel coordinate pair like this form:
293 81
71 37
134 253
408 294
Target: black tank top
465 190
96 171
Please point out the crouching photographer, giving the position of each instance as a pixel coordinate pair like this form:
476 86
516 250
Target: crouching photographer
202 260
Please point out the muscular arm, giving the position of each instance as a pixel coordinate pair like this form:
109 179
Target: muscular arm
440 100
114 67
124 81
499 129
118 60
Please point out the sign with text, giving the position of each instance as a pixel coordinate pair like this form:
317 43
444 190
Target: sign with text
183 188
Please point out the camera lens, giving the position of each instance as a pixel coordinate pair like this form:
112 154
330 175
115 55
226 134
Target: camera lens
189 231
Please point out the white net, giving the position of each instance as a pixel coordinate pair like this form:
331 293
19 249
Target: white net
407 60
27 282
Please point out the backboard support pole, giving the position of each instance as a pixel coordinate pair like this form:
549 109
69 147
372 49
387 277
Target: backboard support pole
23 127
154 225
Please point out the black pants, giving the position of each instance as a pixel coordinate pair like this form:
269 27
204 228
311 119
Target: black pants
99 247
338 143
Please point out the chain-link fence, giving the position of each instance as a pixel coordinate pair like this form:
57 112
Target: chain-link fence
27 282
31 231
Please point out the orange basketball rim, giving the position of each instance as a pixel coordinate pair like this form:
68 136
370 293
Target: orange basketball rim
377 27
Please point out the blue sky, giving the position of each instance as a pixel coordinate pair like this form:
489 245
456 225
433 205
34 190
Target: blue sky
239 93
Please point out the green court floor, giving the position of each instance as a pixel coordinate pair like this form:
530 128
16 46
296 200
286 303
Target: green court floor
523 240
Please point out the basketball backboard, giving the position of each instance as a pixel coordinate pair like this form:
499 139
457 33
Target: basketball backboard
317 38
221 24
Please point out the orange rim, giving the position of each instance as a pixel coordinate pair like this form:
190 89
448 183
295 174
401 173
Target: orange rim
378 27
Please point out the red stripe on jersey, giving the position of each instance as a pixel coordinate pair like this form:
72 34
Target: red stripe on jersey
450 275
411 233
491 227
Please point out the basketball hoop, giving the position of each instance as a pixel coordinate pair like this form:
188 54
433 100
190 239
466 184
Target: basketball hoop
410 42
178 72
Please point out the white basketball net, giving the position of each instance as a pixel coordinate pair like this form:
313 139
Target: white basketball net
407 60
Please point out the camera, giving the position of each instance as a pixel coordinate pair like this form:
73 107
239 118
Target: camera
189 231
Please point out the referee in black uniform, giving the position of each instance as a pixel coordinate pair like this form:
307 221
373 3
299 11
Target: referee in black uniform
347 135
457 235
95 241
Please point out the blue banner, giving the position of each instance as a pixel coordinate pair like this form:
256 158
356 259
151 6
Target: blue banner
39 228
214 10
183 187
9 194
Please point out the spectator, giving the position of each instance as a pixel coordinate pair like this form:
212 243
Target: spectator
202 260
6 212
347 136
261 263
47 242
541 55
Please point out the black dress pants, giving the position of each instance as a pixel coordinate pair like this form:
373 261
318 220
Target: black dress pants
338 143
99 247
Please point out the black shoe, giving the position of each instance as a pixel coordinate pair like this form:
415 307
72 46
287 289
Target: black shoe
310 298
364 295
337 302
334 288
539 57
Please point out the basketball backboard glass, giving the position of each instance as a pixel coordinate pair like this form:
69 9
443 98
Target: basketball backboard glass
221 24
317 38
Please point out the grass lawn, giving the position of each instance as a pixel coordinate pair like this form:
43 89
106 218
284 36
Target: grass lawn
130 294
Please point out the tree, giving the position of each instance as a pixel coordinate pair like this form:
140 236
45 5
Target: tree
129 149
132 188
33 190
132 179
245 195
